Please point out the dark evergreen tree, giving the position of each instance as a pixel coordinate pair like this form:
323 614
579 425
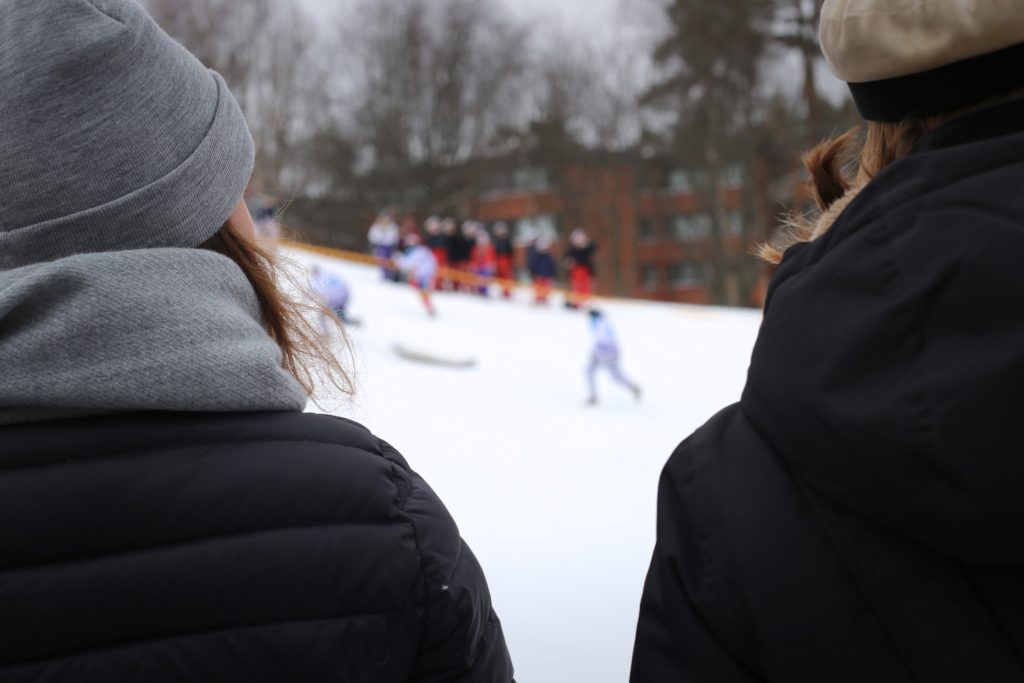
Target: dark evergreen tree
710 66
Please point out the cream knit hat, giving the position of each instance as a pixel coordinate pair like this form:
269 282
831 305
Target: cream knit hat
922 57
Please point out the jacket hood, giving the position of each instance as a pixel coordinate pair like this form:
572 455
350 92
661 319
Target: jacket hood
889 371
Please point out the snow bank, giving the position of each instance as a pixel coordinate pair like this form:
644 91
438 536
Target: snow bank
556 499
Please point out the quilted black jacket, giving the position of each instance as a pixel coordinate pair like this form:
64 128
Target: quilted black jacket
250 547
859 515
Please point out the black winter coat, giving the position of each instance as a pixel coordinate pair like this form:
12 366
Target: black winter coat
582 256
542 265
460 248
250 547
503 246
438 241
859 515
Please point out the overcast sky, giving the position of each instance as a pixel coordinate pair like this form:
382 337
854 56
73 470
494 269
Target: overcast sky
615 19
586 16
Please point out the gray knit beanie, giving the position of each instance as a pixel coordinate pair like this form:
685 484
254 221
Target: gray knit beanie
112 136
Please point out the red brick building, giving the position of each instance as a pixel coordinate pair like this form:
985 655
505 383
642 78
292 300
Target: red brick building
654 237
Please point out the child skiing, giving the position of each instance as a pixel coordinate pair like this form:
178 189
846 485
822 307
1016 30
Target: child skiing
335 294
605 354
420 267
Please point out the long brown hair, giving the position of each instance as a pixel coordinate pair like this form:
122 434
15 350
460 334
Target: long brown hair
845 164
306 353
842 165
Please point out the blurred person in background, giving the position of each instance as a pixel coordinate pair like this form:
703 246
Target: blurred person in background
169 512
579 262
334 295
409 239
437 243
462 254
409 228
483 261
267 225
543 269
858 515
384 238
450 230
420 268
459 247
606 354
504 250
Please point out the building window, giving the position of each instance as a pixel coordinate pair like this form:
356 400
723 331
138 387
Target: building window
531 179
734 224
536 227
689 275
648 229
679 181
733 176
692 228
650 278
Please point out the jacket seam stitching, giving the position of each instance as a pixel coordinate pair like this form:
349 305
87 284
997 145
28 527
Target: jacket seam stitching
163 449
400 504
486 638
122 554
196 634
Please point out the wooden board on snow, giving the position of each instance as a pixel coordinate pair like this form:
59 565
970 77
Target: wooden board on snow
428 358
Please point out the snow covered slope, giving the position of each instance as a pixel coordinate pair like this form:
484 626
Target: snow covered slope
556 499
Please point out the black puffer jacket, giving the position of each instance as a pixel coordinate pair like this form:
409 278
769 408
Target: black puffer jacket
582 256
257 547
859 516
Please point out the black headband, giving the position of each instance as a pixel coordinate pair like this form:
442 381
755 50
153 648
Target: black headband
941 90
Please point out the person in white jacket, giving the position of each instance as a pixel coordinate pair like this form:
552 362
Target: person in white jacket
605 354
334 293
384 237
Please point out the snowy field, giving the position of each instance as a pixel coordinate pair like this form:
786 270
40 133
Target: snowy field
556 499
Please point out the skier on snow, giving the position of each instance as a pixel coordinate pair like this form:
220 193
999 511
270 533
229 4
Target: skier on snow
420 267
334 293
605 354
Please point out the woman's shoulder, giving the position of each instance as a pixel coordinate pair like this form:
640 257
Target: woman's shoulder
228 475
332 454
304 516
353 477
304 470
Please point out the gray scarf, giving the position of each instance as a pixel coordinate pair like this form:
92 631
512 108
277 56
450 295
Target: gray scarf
155 329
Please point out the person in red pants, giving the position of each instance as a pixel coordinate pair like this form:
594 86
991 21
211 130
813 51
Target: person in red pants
505 252
543 269
483 261
579 260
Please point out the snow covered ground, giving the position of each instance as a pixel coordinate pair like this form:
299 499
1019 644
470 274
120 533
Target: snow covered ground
556 499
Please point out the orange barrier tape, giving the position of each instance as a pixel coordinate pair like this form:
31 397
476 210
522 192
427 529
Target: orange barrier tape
443 272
